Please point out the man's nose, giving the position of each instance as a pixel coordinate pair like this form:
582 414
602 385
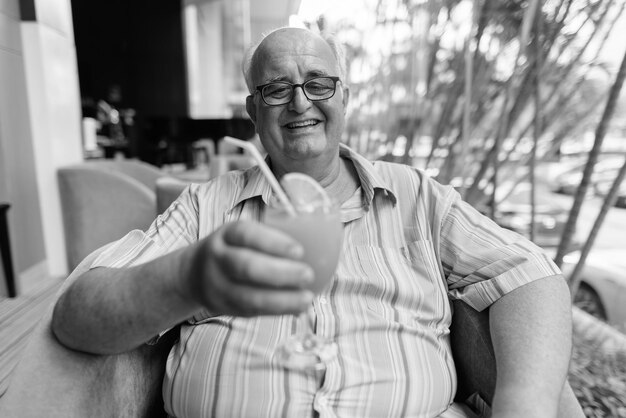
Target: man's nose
299 101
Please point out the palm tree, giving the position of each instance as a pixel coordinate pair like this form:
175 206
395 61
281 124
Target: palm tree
609 201
467 103
561 57
572 219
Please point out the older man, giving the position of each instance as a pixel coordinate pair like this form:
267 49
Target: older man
234 283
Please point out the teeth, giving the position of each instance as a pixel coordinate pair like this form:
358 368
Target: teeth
301 124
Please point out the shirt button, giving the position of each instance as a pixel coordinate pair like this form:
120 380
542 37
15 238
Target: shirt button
323 300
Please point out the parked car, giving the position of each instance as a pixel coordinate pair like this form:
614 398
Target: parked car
602 189
602 291
568 181
550 216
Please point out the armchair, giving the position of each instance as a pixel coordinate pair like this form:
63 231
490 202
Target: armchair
103 200
54 381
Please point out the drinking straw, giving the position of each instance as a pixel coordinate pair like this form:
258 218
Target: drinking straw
284 200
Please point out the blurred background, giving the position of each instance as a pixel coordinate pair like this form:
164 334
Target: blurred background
516 103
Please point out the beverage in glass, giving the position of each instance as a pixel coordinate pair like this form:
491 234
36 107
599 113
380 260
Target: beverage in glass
319 231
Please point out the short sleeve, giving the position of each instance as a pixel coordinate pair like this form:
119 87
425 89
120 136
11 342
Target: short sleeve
483 261
175 228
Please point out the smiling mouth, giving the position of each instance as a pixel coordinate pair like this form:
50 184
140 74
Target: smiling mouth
302 124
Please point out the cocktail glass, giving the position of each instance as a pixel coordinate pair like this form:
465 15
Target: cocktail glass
319 230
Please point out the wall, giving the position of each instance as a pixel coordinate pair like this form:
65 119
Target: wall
55 114
202 25
39 131
18 179
267 16
215 31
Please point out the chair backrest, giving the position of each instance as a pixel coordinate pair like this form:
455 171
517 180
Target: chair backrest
167 190
101 203
141 171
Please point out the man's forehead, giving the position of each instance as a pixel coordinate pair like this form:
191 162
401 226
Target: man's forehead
276 51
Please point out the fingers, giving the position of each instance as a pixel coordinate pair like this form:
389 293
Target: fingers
241 300
262 238
247 269
257 255
254 268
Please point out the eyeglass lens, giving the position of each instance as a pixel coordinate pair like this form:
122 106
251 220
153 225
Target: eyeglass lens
319 88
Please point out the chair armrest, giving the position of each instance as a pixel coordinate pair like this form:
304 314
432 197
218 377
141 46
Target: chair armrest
473 352
54 381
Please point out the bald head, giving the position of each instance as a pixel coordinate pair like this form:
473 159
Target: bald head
288 38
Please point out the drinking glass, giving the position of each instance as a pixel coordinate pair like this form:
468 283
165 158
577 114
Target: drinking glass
319 230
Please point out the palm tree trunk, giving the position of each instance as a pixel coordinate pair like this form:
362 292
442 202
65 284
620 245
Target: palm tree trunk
505 113
555 144
609 109
538 122
608 202
575 62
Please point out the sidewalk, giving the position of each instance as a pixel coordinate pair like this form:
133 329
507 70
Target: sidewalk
606 337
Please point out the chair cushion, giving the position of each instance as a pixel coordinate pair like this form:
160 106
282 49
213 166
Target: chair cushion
54 381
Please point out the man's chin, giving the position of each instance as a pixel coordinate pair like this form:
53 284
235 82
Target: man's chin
305 148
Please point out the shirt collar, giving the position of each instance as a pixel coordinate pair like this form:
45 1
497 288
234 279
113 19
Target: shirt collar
256 185
371 181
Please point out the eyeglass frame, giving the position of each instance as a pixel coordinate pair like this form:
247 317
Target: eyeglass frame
293 86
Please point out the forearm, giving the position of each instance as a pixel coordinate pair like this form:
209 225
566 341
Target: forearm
241 269
114 310
531 333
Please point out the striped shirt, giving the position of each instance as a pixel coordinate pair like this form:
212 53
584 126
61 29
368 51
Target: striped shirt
409 245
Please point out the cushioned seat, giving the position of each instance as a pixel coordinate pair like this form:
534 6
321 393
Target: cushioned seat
102 201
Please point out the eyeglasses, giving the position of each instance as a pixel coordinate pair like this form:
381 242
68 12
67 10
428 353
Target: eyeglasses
279 93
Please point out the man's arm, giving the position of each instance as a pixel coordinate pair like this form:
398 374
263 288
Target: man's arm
531 332
241 269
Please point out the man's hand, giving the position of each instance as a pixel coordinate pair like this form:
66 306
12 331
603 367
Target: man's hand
242 268
248 269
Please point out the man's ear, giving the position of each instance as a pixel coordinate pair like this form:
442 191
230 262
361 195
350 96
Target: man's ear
251 108
346 98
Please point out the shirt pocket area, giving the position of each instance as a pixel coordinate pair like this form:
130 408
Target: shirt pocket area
401 285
